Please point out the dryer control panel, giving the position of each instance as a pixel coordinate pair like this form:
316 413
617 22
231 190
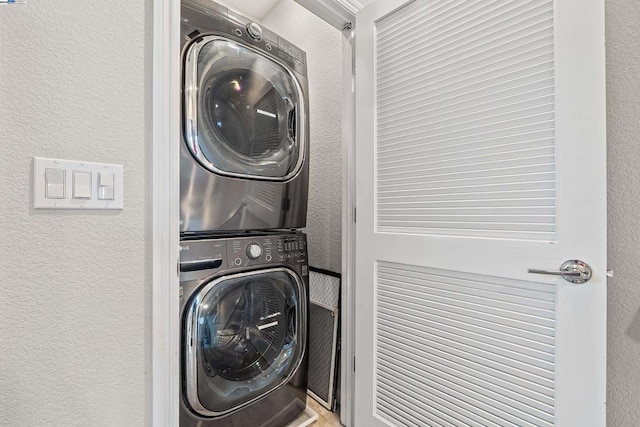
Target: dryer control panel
206 17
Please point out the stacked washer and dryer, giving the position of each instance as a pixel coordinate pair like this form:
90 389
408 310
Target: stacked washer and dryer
243 182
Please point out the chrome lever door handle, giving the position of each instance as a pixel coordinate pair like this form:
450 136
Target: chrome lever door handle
573 270
555 273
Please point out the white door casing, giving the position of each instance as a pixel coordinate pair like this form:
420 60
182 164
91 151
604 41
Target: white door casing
164 383
480 146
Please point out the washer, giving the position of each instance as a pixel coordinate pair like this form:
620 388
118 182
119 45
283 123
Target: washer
245 134
244 308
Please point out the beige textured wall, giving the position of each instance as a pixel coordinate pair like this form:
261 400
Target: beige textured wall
623 123
323 45
74 324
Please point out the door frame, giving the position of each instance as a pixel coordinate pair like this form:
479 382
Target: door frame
163 385
347 318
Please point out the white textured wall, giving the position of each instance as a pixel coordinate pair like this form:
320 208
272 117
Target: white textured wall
323 45
623 105
74 284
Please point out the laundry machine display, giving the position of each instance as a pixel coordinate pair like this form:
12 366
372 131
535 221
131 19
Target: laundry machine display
244 156
244 330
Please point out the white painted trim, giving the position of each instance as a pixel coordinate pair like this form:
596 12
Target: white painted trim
165 180
347 375
334 13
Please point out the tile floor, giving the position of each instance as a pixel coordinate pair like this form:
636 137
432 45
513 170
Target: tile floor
326 418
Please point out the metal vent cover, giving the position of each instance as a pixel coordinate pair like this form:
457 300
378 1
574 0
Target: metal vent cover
323 334
324 292
324 287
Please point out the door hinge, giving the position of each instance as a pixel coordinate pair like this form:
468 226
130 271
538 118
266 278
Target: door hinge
353 70
354 364
354 214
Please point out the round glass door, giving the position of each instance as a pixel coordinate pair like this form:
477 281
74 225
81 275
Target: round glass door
242 112
246 338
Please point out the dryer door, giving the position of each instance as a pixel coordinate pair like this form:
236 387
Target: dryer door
243 111
244 337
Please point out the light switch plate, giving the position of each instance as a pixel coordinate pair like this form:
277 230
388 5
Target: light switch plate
40 201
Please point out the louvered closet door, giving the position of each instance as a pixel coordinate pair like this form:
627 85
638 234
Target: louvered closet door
481 153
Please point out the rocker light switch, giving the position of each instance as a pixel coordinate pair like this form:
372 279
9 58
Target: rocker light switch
81 185
105 186
54 183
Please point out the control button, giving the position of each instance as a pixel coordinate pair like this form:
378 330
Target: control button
105 186
254 250
268 257
81 185
238 32
54 180
105 193
254 31
237 261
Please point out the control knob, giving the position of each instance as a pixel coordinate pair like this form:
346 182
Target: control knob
254 31
254 250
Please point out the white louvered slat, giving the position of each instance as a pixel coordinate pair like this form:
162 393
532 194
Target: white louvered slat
495 42
465 119
402 201
352 6
421 143
480 158
462 348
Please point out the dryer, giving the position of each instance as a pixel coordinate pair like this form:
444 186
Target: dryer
244 304
245 135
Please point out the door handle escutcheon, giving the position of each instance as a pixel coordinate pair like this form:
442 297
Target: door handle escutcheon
573 270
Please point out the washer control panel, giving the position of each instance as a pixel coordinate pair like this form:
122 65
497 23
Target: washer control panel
292 247
254 250
250 251
201 257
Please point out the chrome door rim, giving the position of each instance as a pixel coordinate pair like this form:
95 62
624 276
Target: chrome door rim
190 345
191 107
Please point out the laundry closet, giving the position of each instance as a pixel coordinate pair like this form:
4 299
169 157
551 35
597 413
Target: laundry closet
260 212
480 201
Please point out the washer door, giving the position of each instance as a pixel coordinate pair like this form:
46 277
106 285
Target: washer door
244 337
243 111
